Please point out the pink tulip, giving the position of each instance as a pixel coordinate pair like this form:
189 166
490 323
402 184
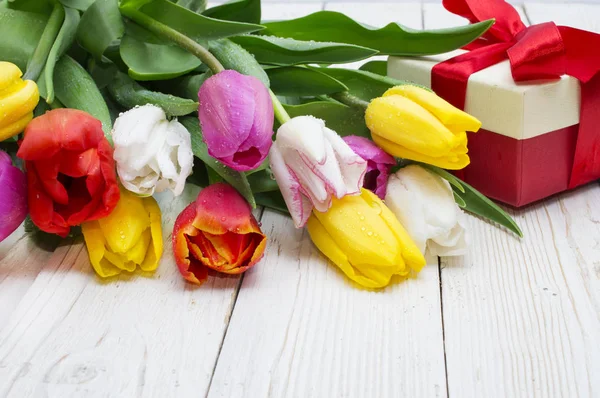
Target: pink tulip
379 163
236 116
13 196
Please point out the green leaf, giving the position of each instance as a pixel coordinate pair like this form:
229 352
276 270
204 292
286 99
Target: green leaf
377 67
152 61
339 117
197 27
262 182
478 204
393 39
20 32
365 85
237 10
101 25
272 200
459 201
129 94
285 51
235 178
192 5
76 89
37 6
233 56
64 40
40 55
302 82
184 87
81 5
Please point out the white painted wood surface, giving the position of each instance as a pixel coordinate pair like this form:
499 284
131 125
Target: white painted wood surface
511 319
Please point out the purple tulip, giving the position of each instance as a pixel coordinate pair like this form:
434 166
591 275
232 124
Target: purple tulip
13 196
379 163
236 116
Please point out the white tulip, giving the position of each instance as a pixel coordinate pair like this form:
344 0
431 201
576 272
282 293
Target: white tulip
151 152
424 204
311 164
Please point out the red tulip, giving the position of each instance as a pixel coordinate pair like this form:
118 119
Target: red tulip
70 170
217 231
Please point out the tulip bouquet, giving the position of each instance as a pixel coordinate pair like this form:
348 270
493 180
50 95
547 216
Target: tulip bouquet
104 103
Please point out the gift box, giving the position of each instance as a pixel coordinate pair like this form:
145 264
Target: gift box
533 142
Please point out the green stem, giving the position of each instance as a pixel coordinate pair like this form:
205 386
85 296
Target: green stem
40 55
351 100
280 114
180 39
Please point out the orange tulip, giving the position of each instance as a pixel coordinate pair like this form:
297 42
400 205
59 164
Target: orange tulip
219 232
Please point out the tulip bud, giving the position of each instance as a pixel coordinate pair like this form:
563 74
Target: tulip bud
13 196
219 232
424 204
312 164
236 116
130 236
362 237
152 153
18 98
413 123
379 163
70 170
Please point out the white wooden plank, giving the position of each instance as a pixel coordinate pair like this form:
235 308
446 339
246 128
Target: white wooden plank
73 334
435 16
20 261
583 16
284 11
300 328
379 14
521 318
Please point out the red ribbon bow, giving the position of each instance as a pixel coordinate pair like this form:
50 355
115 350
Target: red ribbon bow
543 51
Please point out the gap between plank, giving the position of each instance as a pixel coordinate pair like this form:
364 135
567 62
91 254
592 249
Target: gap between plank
443 326
235 297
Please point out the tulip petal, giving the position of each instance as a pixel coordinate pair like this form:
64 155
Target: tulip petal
155 250
328 246
406 123
352 166
190 268
95 243
13 196
453 118
424 204
298 204
450 161
410 252
18 101
226 112
15 128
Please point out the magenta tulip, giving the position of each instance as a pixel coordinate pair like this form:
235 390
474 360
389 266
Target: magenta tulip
13 196
379 163
236 116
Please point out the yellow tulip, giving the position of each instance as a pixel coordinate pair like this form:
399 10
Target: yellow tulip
18 98
130 236
412 123
364 238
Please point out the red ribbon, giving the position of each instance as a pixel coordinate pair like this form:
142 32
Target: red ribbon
544 51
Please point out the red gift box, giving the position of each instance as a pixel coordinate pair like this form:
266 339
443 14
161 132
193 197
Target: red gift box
536 93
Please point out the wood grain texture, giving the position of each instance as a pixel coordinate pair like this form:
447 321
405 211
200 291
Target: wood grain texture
301 329
521 318
74 335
